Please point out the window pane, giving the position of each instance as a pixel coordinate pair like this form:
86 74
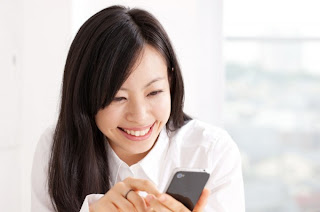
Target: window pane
272 111
272 18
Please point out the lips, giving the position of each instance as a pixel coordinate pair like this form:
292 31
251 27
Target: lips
137 133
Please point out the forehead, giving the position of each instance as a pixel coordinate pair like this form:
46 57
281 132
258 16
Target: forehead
149 65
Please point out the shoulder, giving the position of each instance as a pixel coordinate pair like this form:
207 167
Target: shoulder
202 143
197 133
42 154
39 178
45 143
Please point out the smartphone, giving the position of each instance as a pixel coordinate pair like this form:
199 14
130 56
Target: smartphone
186 186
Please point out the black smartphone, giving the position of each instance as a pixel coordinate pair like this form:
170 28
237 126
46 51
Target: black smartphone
186 186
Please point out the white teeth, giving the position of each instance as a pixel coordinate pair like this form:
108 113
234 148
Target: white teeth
137 133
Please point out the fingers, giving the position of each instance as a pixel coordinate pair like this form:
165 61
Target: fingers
131 201
137 201
117 198
202 201
141 185
124 196
165 203
102 205
155 204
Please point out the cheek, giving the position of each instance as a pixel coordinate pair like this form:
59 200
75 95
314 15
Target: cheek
108 118
161 109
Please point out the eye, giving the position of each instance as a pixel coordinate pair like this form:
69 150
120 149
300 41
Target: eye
119 99
153 93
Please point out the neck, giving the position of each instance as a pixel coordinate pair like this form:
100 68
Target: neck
133 159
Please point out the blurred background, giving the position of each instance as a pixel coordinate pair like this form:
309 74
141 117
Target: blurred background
272 105
251 67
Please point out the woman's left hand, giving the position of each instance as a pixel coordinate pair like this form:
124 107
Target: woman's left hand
166 203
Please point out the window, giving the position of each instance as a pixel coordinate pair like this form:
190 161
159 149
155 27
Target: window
272 107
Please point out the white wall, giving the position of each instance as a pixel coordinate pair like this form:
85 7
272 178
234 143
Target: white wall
46 38
10 113
34 38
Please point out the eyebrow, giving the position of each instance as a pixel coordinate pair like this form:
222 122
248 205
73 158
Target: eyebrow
149 83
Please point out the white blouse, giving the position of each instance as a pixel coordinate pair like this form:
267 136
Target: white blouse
195 145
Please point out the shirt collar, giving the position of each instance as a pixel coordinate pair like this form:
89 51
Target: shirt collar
150 164
115 164
153 161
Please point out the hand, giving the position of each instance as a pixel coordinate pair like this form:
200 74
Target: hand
166 203
118 198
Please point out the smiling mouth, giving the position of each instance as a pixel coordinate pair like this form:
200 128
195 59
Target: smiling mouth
136 133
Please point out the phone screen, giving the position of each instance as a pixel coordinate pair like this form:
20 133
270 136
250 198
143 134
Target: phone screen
186 187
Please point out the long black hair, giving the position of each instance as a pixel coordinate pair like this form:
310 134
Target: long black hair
99 61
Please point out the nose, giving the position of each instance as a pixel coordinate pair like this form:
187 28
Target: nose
137 112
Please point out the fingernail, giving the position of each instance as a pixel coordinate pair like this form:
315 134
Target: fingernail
162 198
149 198
151 210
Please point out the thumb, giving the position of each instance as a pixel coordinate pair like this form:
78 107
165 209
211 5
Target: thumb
202 201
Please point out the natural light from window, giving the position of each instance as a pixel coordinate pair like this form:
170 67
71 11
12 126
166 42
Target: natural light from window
272 107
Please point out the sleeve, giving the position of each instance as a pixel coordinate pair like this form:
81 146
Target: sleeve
40 198
226 182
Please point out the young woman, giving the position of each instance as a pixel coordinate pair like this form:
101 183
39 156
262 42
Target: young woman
122 130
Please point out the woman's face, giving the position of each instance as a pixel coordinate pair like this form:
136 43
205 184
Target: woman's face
140 109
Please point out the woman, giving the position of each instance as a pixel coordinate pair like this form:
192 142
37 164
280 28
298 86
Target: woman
122 130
